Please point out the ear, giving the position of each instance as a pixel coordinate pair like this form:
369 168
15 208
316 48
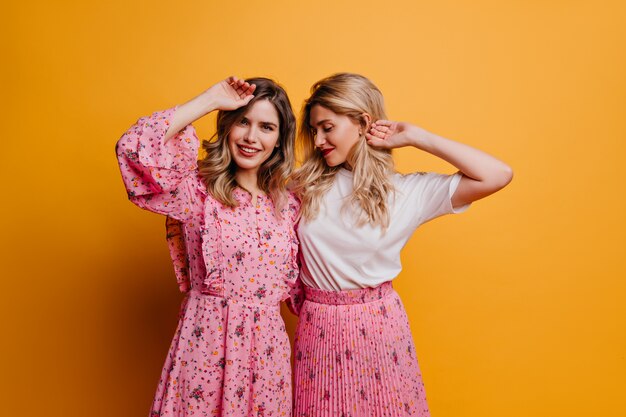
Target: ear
366 120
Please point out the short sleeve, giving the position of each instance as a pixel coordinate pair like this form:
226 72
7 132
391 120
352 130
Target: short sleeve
427 196
158 176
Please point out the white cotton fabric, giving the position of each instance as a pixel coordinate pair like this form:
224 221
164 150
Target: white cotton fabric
337 255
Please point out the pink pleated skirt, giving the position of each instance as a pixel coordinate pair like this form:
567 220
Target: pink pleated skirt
354 356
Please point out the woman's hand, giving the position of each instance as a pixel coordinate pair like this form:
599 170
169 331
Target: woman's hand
229 94
386 134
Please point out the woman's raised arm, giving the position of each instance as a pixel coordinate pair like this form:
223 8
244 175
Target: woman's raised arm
483 174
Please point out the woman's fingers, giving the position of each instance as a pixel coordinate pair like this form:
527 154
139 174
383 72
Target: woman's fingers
383 129
251 88
242 86
378 133
245 89
375 141
231 93
382 122
247 99
234 83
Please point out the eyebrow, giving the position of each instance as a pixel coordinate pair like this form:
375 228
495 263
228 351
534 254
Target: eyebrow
321 122
262 122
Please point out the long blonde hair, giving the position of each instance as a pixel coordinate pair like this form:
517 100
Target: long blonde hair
351 95
218 168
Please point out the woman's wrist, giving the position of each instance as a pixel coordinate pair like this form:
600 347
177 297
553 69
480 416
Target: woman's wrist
189 112
420 138
206 102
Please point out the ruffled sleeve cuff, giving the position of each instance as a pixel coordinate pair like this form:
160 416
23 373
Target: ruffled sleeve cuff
148 164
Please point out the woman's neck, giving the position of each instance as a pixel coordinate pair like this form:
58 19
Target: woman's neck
249 181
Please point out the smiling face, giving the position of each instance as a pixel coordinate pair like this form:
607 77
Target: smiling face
335 134
252 139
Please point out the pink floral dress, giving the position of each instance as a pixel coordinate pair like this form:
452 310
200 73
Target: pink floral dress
230 355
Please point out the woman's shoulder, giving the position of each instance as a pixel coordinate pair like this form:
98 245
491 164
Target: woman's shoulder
416 178
402 181
418 183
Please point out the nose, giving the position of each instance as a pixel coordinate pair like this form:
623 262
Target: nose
250 134
319 140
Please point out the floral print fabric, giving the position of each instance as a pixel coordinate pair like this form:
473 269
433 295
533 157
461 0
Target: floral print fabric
354 356
230 355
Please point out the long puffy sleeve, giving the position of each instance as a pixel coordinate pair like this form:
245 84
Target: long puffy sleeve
160 177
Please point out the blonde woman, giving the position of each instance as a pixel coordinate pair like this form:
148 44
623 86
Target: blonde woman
354 353
232 240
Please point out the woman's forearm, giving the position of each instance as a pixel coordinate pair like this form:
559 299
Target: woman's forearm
484 173
472 162
189 112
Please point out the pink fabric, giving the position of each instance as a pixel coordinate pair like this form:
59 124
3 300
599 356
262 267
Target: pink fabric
178 252
355 356
230 355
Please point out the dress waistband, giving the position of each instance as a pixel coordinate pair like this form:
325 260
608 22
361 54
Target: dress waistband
230 301
358 296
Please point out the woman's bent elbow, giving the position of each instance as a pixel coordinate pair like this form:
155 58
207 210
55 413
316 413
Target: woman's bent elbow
503 177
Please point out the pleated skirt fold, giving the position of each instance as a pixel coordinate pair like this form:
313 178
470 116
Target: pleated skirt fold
354 356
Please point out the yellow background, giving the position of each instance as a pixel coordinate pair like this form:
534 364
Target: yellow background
518 307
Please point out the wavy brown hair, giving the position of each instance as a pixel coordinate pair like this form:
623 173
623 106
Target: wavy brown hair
218 168
351 95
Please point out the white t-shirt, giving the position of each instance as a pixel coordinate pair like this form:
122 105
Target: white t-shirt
338 255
